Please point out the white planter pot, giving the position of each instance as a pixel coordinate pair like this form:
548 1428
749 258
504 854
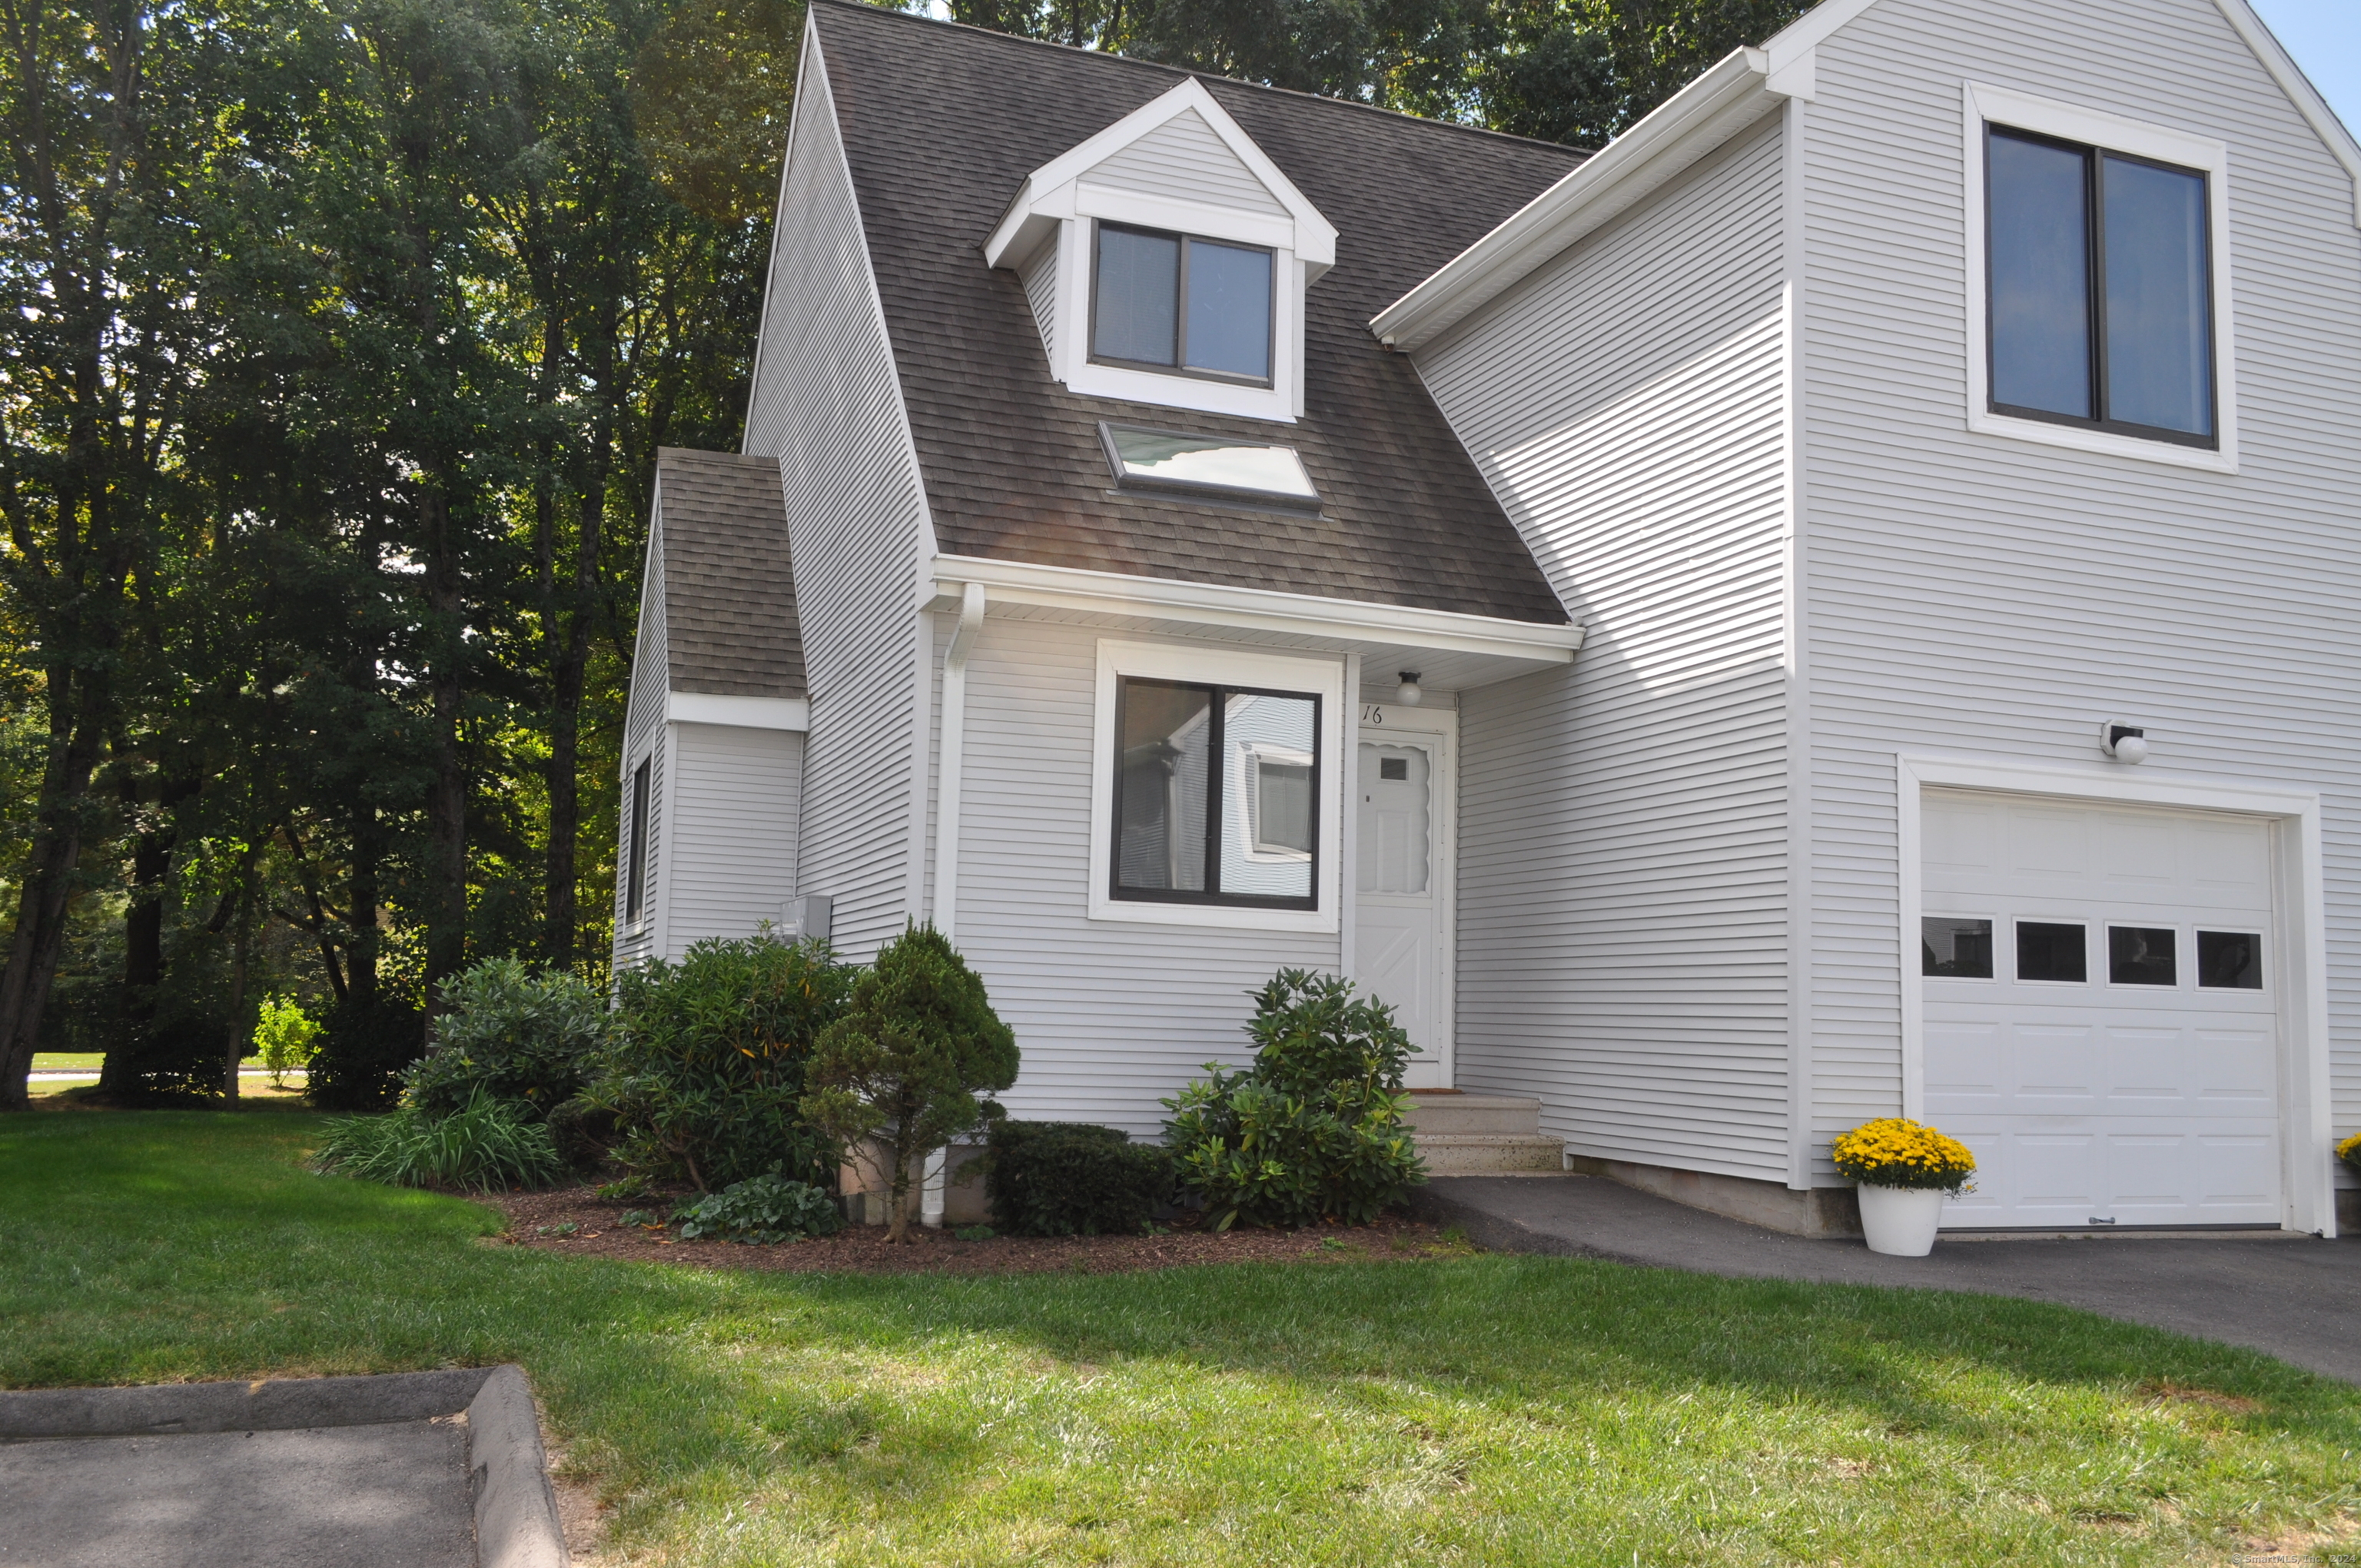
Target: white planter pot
1900 1220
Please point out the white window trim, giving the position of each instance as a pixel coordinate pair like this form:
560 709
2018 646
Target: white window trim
1252 754
1998 106
1218 666
1058 204
2300 970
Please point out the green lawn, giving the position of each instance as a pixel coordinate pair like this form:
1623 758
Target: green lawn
1479 1410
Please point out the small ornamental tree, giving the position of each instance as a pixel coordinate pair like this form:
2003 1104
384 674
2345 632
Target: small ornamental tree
903 1067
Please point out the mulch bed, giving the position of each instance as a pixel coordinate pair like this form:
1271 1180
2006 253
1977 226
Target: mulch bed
864 1249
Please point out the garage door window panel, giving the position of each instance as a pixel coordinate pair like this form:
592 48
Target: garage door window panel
2143 955
2052 951
1954 948
2229 960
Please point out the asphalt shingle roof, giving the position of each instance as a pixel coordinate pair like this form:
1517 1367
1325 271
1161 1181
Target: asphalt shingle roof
941 125
730 592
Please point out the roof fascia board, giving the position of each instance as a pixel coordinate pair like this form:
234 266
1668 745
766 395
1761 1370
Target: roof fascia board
1253 609
1046 191
739 712
1683 128
2333 132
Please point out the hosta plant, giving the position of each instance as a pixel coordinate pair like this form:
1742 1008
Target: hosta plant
762 1209
1897 1152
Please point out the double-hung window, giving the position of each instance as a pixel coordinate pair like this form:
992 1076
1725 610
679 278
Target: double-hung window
2100 268
1216 794
1176 302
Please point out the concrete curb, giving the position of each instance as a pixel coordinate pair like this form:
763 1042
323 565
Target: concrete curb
515 1507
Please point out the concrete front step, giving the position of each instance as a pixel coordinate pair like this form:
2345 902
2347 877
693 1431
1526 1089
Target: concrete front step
1489 1154
1502 1116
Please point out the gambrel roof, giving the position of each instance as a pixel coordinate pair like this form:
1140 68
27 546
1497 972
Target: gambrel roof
943 124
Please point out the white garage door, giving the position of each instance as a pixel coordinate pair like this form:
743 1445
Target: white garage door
2100 1013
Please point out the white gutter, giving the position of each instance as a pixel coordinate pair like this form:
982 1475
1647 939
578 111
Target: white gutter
1736 93
954 743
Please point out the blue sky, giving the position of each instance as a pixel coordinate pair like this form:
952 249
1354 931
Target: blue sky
2324 36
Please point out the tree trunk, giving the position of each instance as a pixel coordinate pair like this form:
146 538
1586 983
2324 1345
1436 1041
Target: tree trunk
446 797
143 926
360 956
41 905
240 945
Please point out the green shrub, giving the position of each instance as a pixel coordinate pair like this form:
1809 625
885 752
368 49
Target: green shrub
764 1209
361 1055
1071 1178
1314 1129
286 1038
704 1065
486 1146
514 1033
901 1068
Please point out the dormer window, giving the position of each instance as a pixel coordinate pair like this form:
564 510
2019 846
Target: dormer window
1165 260
1179 303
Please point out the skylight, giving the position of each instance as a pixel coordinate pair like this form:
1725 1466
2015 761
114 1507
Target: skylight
1209 466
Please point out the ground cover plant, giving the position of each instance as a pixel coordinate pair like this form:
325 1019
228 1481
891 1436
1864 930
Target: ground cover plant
484 1145
1501 1411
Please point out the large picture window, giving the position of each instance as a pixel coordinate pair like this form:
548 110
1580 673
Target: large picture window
1216 794
2100 271
1172 302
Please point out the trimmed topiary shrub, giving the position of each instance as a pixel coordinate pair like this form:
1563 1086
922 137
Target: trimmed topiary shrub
704 1066
514 1033
1072 1178
1314 1129
361 1055
763 1210
900 1071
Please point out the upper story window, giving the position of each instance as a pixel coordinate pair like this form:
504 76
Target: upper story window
1198 306
1166 261
2101 276
2098 306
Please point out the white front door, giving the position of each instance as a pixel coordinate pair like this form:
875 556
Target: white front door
2100 1011
1403 876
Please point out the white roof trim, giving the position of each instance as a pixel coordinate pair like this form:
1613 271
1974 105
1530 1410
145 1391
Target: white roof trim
1697 119
1681 130
744 712
1046 192
2333 132
1253 609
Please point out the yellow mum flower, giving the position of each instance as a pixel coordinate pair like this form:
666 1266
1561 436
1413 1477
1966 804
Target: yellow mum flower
1897 1152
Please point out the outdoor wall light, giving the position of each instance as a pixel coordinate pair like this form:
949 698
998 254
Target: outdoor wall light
2124 742
1407 694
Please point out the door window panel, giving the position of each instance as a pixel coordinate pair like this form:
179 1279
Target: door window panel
2229 960
1395 830
1956 949
2051 950
2142 955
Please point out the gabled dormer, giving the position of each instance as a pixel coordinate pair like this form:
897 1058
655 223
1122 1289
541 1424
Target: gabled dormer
1166 259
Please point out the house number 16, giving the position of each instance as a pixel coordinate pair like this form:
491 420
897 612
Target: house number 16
1372 713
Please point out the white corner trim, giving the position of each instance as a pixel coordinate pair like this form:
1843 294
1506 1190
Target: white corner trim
744 712
1323 675
1255 609
2301 901
953 758
2333 132
1980 104
1798 39
1677 133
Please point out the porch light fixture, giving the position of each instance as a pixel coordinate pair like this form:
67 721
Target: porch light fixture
1407 694
2124 742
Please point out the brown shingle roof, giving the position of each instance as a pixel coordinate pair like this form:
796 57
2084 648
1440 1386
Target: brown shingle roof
941 125
730 593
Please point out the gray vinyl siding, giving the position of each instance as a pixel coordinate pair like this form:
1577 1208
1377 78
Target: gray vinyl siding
1040 279
732 862
644 717
1111 1016
1623 824
1183 160
1973 593
827 404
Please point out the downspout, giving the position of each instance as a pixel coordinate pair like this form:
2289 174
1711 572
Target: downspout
947 824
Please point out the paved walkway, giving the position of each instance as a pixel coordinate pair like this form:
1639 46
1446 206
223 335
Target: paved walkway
2292 1297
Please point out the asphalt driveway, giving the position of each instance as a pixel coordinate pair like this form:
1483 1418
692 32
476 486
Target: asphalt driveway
2293 1296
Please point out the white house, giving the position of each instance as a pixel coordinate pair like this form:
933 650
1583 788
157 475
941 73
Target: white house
1845 603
